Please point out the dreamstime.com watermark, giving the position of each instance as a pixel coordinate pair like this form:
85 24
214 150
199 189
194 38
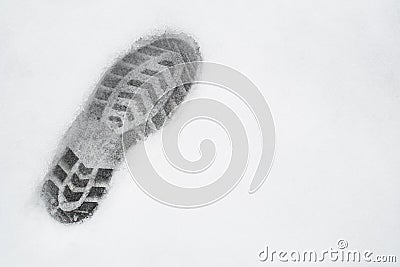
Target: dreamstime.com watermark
341 254
212 110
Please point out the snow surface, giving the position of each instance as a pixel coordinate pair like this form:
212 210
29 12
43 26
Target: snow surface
330 71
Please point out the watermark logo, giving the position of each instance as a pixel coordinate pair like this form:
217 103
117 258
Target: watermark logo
340 254
342 244
212 110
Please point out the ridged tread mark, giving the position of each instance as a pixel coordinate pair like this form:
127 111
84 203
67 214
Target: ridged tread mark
96 191
83 170
52 190
103 175
72 196
142 55
85 210
74 187
59 173
76 181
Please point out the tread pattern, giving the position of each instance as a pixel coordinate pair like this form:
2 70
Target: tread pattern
138 92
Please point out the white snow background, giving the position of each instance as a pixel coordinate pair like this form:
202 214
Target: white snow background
330 71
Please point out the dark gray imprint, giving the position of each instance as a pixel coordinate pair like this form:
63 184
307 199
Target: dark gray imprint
135 97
